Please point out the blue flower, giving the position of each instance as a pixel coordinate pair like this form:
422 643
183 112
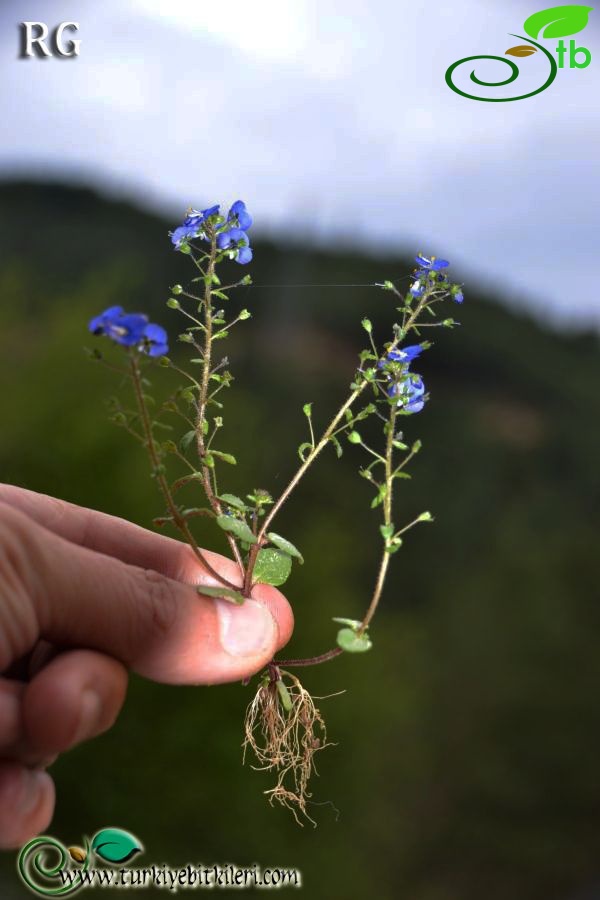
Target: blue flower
410 392
130 330
123 328
154 340
239 215
236 239
458 297
192 226
402 355
417 288
431 263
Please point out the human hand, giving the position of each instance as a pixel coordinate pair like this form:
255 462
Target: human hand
83 598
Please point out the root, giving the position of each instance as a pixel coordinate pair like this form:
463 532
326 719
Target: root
284 730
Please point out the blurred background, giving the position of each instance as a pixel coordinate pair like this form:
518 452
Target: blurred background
466 762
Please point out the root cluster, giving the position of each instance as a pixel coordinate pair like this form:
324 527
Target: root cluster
284 730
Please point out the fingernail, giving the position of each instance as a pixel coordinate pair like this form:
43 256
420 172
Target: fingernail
89 715
245 630
33 782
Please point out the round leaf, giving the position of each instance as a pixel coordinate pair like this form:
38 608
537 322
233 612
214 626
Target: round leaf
222 592
237 528
282 544
233 500
272 567
558 21
352 642
115 845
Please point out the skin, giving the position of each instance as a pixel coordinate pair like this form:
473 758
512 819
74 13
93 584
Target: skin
84 599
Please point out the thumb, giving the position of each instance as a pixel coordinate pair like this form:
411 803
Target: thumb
159 627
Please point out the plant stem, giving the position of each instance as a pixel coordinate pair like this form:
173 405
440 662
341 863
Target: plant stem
407 324
387 519
310 660
327 434
163 484
203 399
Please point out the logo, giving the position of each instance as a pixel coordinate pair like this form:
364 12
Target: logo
35 35
60 876
51 869
556 22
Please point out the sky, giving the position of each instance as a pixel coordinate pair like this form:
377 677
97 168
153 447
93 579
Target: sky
332 120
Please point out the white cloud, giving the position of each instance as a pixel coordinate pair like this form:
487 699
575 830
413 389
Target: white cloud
332 118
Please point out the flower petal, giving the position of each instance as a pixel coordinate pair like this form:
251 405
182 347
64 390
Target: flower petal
244 255
238 211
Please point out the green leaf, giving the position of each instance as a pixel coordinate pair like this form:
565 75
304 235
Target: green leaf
272 567
303 448
558 21
232 500
115 845
284 695
338 447
378 500
285 545
223 592
354 624
394 546
366 411
226 457
237 528
386 531
352 642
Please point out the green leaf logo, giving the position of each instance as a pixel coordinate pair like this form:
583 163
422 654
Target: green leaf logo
115 845
558 21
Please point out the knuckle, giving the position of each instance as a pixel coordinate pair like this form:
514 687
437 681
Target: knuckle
18 620
158 598
14 544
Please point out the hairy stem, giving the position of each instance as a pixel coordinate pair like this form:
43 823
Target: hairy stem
324 440
163 484
203 401
387 520
407 323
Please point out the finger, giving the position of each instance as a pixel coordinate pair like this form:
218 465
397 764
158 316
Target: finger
137 546
26 803
11 730
74 698
161 628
